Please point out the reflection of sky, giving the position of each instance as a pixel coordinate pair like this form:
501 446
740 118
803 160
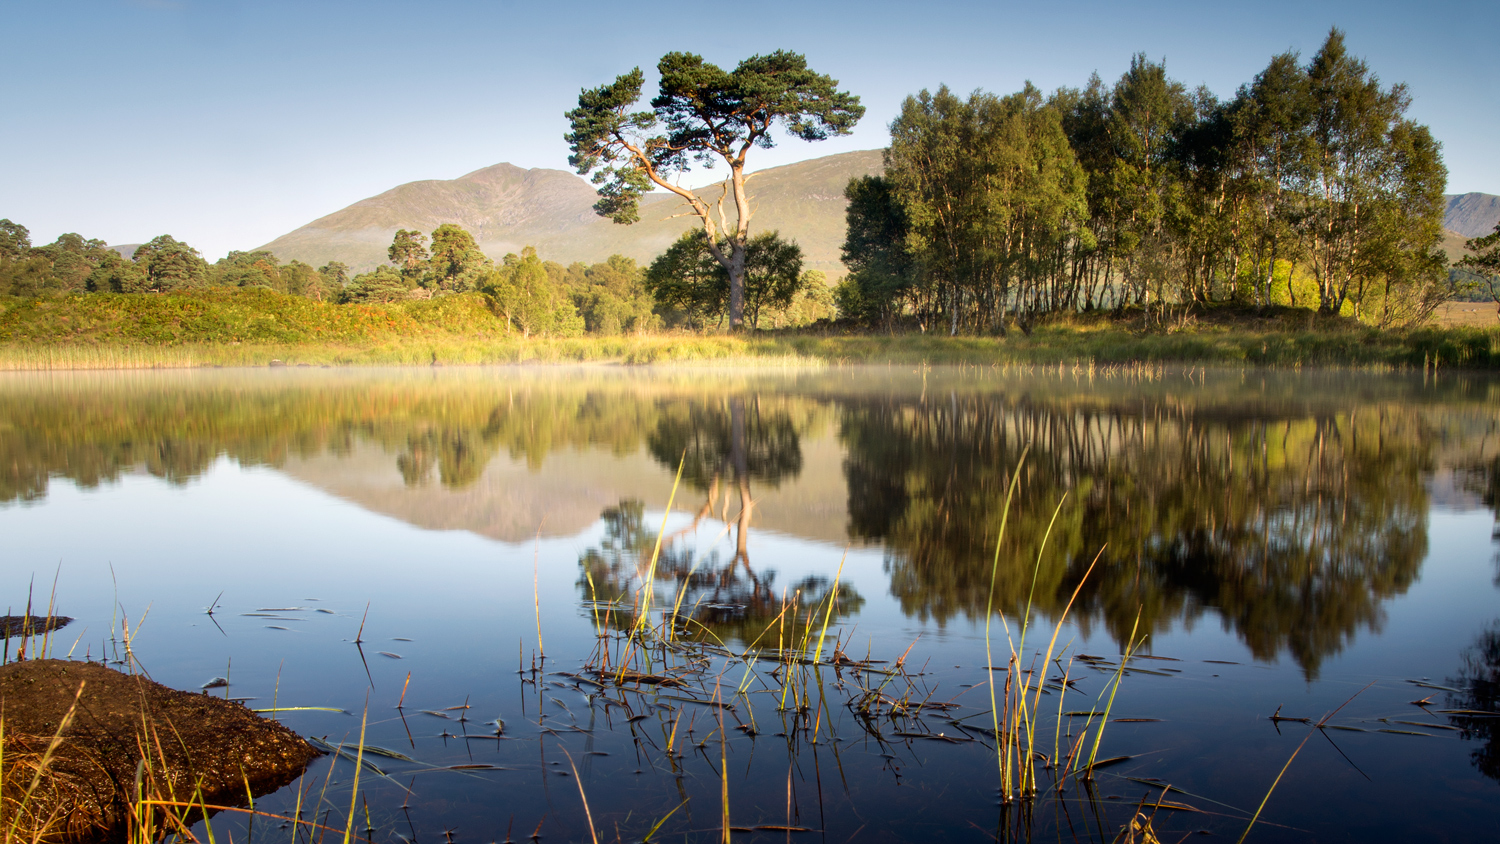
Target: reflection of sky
466 604
229 123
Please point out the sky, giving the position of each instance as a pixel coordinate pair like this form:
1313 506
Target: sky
228 123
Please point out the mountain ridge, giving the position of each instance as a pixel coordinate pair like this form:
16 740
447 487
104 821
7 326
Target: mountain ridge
1471 214
507 208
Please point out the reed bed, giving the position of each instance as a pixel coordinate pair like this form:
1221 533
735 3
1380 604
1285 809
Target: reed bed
400 339
797 678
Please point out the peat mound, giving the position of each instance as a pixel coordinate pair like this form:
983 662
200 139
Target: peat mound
126 730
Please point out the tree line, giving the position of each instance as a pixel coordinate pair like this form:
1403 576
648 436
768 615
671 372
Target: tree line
683 288
1310 187
76 264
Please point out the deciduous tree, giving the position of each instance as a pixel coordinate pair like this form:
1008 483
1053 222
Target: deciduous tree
1485 263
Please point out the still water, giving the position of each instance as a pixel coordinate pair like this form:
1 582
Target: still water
1306 543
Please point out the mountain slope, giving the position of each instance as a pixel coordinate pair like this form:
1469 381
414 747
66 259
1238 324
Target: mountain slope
508 208
1453 245
1472 214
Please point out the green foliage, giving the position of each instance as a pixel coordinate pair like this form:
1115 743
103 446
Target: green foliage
170 264
773 275
702 114
241 315
989 193
706 112
409 253
115 274
456 263
882 273
15 241
1483 263
335 275
62 266
812 303
1309 188
383 284
690 285
610 296
247 269
526 297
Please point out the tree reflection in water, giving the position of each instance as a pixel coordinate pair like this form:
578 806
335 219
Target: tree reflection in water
723 445
1483 478
1479 679
1292 516
733 601
1294 526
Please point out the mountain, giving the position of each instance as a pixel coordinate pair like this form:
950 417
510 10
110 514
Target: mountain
507 208
1472 214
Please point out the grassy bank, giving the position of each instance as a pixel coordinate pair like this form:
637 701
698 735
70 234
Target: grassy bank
257 327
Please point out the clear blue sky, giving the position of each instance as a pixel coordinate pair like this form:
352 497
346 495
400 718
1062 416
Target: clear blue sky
226 124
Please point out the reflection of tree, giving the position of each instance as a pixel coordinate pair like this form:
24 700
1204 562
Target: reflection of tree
1294 526
1483 478
93 430
732 601
460 456
728 441
1480 679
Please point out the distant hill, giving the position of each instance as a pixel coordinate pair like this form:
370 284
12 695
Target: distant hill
1453 245
126 250
1472 214
507 208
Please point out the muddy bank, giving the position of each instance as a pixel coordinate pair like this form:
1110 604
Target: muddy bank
85 792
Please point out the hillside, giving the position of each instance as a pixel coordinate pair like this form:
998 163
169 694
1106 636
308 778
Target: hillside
1453 245
508 208
1472 214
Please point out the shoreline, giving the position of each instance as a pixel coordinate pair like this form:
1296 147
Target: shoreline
1450 349
219 328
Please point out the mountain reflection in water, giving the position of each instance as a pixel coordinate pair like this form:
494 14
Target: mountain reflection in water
1294 507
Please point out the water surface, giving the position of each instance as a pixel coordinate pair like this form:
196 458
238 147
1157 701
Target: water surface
1281 541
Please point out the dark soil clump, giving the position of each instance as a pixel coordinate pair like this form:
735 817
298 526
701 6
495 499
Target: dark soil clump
197 748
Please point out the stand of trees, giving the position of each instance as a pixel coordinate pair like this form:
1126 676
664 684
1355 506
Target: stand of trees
75 264
1308 188
534 296
692 288
1480 270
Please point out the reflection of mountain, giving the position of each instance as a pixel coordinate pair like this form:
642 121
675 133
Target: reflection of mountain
509 501
1295 525
1293 507
469 451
